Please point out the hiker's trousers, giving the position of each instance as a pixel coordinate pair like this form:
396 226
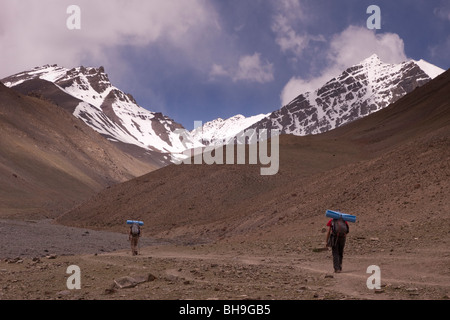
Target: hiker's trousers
134 243
338 252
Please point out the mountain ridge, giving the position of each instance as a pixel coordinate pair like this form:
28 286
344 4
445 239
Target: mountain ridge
358 91
108 110
88 94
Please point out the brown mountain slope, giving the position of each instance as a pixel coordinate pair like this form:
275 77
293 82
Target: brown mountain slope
49 91
391 169
49 160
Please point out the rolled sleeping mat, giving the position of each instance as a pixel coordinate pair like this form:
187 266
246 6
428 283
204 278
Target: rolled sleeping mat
135 221
337 215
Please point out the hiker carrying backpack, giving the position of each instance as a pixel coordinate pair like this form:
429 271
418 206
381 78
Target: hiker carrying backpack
339 228
135 233
336 236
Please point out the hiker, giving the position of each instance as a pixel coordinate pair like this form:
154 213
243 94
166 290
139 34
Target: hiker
133 236
337 232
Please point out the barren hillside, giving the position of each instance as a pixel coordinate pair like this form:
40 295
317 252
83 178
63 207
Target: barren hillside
50 161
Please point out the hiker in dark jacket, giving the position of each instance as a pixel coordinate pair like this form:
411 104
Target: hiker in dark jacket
337 232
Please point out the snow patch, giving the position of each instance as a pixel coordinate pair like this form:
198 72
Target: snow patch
431 70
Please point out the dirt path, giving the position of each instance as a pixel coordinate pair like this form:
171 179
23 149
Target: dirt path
352 282
305 277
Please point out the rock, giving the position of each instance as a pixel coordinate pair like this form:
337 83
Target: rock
374 239
412 291
171 278
144 278
304 288
329 276
111 289
378 291
51 256
63 293
125 282
130 282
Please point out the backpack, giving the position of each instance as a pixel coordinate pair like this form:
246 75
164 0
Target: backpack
135 230
339 227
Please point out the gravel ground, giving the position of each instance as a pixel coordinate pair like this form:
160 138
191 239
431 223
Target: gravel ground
232 269
37 238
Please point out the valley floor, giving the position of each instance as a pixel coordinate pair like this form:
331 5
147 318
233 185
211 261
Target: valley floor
35 256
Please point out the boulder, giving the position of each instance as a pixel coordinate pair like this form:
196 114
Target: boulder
130 282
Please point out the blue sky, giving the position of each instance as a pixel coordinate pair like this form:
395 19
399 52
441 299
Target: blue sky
203 59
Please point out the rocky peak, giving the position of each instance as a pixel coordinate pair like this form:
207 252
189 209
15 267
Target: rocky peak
360 90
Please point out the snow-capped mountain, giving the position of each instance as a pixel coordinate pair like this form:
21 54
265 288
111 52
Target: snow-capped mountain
220 130
108 110
88 94
359 91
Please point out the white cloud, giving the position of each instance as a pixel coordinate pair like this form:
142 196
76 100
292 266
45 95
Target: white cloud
218 71
34 32
355 44
250 68
287 38
346 49
286 25
291 9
